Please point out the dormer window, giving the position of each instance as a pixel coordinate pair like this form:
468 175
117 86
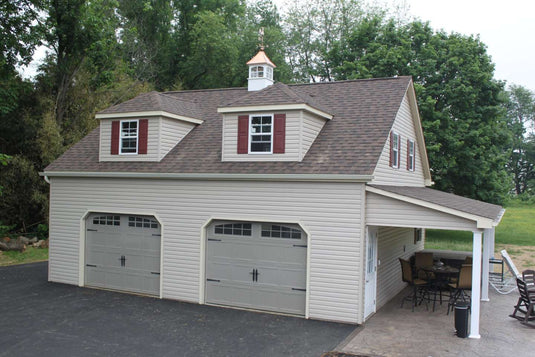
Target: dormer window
261 134
129 136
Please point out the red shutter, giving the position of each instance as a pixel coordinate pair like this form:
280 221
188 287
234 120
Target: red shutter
243 134
279 138
391 149
115 132
408 154
143 136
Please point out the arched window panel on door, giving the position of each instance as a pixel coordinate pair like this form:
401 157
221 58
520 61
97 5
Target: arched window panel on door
236 229
280 231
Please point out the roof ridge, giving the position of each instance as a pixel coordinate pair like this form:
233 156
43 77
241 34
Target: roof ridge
165 94
349 81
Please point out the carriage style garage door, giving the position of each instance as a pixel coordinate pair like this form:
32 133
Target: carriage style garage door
256 265
122 252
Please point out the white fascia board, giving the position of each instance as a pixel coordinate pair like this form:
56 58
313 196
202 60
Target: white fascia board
499 218
413 103
482 222
154 113
216 176
276 107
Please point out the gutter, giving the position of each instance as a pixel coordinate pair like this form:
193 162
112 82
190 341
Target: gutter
215 176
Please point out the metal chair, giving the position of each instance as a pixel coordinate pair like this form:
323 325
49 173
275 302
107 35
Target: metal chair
525 304
460 288
419 287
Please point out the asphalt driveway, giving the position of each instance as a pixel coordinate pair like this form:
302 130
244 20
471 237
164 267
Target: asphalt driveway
38 318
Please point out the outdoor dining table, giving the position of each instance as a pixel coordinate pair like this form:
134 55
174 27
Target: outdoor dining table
439 278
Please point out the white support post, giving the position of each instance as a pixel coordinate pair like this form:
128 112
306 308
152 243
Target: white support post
491 241
476 285
485 268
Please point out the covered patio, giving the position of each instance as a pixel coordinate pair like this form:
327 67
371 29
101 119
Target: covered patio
420 207
395 331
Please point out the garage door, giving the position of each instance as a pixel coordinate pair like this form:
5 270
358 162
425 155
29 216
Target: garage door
122 252
256 265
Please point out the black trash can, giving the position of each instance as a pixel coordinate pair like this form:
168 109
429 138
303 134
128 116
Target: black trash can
462 310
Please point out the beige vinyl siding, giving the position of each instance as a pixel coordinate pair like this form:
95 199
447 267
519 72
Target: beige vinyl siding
386 211
152 143
230 139
312 126
393 243
328 211
171 132
386 175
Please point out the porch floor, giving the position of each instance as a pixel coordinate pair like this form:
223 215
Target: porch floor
395 331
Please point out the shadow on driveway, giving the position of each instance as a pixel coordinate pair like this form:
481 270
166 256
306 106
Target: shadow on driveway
38 318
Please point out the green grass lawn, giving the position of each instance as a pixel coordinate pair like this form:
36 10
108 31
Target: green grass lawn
517 228
30 255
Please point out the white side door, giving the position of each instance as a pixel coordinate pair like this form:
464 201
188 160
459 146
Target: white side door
370 287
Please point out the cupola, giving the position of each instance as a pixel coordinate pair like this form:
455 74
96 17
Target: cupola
260 71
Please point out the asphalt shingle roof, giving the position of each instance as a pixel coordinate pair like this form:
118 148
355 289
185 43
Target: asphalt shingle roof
154 101
350 143
445 199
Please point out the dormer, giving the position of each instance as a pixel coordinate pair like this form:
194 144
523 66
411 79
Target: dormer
273 124
260 71
145 128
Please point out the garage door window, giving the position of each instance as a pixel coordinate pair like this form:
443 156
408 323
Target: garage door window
235 229
107 220
140 222
280 231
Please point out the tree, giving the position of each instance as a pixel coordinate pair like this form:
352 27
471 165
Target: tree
459 101
520 106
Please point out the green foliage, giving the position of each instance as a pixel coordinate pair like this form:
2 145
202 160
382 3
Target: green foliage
42 231
520 106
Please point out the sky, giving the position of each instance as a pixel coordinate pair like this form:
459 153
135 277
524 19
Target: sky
506 27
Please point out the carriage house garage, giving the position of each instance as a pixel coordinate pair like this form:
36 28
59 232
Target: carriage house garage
294 199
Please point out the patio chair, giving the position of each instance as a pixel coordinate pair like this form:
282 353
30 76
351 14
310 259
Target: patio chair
461 286
419 287
529 278
423 259
525 304
506 283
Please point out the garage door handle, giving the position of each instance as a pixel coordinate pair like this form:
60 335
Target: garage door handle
123 260
299 289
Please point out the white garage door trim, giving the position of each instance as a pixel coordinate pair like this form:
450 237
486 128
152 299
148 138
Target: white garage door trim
82 234
252 219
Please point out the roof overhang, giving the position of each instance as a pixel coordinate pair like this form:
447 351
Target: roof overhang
275 107
481 222
214 176
155 113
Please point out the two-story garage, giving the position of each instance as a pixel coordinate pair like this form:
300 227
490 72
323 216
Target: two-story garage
285 198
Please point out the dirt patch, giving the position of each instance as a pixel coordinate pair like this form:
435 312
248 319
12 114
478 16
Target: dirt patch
522 256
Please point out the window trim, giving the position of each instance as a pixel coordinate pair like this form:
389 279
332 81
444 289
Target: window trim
396 149
251 134
128 137
411 158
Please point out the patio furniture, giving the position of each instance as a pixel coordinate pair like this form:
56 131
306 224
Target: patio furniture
419 287
507 283
525 304
439 280
468 260
422 260
529 278
463 284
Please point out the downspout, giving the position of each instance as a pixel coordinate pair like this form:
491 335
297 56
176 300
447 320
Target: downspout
46 179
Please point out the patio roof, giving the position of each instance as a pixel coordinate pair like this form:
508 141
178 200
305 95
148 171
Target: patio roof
443 206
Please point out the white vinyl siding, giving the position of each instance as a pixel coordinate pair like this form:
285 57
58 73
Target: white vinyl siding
393 243
171 132
385 174
152 143
386 211
312 126
302 128
330 212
